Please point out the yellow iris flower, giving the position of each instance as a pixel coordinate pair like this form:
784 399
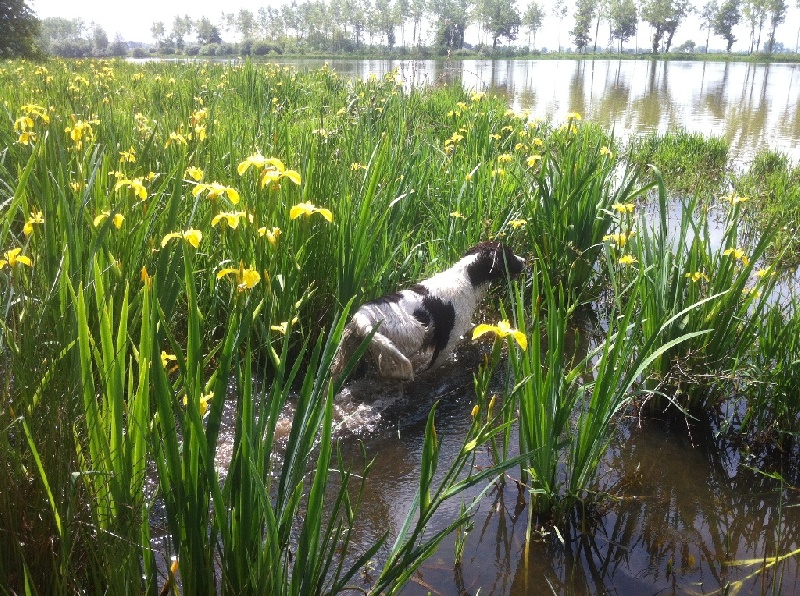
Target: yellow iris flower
35 217
501 330
12 257
308 209
216 190
623 207
231 218
135 184
245 278
117 219
628 260
738 254
194 173
193 237
696 276
271 235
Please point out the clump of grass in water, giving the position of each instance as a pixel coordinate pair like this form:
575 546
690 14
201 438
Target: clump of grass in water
692 162
715 285
773 184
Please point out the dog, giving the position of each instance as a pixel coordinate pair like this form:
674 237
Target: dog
417 329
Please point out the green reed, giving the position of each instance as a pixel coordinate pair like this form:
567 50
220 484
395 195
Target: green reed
717 285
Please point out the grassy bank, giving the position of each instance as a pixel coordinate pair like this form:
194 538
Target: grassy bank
173 233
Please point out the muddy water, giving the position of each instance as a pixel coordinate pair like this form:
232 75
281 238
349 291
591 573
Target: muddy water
686 513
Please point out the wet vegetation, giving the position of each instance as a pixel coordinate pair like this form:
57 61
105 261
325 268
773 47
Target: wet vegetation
176 237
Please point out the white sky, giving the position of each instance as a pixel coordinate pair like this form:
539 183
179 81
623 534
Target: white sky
133 21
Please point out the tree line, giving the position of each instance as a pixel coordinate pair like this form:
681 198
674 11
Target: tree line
350 26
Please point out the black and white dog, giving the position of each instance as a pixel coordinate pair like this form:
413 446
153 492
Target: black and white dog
418 328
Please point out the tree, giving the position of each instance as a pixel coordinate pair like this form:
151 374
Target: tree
19 29
602 13
99 41
725 20
710 10
246 24
623 17
499 18
532 20
664 17
452 17
207 32
559 12
118 47
777 15
158 31
181 27
755 14
584 13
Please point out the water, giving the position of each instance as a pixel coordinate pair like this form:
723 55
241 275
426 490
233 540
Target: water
754 106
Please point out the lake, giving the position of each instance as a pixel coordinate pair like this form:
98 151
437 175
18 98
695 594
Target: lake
754 106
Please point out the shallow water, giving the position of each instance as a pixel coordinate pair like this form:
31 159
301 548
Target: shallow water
684 506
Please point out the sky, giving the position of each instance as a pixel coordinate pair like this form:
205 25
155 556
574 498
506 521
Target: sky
132 20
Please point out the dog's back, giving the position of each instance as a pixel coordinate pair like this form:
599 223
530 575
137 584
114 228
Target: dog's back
418 328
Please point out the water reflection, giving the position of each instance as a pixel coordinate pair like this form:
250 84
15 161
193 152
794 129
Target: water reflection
754 106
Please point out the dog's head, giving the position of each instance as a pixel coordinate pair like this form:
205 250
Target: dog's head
489 262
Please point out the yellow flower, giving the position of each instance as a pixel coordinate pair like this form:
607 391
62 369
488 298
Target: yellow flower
623 207
167 358
696 276
194 173
532 159
127 156
502 329
308 209
177 138
12 257
117 220
764 272
216 190
27 138
193 237
504 158
573 116
271 235
245 278
355 166
272 169
457 214
517 223
474 411
606 151
628 260
454 139
738 254
35 217
136 185
284 326
733 199
620 239
204 399
231 218
476 97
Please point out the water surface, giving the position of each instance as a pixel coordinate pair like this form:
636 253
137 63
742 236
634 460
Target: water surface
754 106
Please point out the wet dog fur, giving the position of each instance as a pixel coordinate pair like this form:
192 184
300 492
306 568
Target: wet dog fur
418 328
